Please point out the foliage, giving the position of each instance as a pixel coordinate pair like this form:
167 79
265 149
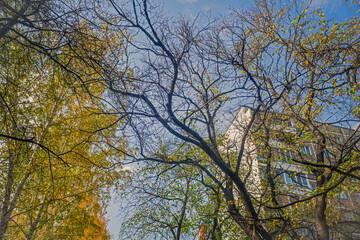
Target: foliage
57 167
307 68
171 85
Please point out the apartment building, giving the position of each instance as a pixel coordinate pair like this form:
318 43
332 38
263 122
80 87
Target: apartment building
282 150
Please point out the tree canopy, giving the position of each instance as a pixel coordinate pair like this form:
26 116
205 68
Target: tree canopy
90 86
57 168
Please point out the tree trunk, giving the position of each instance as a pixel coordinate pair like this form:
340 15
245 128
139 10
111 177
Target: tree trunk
322 228
5 208
251 226
183 210
321 225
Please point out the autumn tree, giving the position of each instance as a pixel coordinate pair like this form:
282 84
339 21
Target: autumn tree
53 160
308 65
178 82
56 164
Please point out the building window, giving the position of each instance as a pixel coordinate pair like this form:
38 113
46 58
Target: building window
341 194
305 150
286 155
279 176
303 180
327 154
288 179
297 179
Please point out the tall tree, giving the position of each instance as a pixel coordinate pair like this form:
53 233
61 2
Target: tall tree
57 168
179 89
309 66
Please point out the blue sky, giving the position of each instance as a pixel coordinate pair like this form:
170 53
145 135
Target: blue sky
215 7
334 8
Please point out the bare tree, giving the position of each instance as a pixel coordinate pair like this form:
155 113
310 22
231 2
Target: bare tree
176 87
15 14
187 76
